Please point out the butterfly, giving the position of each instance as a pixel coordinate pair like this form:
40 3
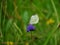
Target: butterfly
34 19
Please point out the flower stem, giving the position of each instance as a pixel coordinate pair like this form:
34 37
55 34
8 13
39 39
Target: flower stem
31 38
56 13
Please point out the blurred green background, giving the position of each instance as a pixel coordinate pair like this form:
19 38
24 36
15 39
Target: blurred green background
15 16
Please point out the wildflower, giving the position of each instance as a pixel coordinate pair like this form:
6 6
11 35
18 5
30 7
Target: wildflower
30 27
34 19
9 43
26 43
50 21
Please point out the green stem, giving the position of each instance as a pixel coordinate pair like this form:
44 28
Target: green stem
31 38
50 34
18 28
54 28
55 39
56 13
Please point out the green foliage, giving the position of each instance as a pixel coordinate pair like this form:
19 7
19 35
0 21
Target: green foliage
15 16
25 17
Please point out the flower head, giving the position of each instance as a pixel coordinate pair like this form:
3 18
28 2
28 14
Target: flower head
50 21
9 43
30 27
34 19
26 43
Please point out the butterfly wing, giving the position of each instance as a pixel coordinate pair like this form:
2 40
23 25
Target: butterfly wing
34 19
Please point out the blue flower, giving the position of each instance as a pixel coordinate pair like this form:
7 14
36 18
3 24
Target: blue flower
30 27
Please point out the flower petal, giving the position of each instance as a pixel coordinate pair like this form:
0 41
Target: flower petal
50 21
30 27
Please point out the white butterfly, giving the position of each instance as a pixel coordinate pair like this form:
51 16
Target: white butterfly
34 19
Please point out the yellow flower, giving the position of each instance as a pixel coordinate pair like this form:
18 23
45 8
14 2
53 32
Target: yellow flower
26 43
50 21
9 43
